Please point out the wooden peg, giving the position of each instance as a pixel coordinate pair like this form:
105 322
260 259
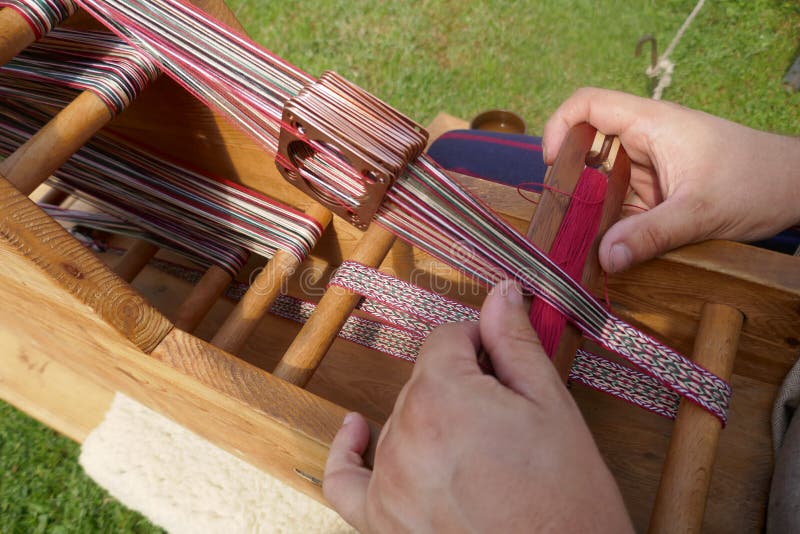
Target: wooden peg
315 338
15 34
202 298
42 154
134 260
262 293
686 476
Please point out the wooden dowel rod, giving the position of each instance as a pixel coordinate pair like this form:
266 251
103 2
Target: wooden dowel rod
255 303
135 258
686 476
315 338
15 34
266 287
202 298
54 197
42 154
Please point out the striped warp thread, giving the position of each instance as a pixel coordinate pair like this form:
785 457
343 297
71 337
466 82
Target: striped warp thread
204 216
41 15
84 60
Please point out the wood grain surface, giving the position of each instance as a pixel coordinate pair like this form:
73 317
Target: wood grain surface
46 244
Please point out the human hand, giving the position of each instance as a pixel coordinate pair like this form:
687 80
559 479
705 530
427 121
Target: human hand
464 451
698 176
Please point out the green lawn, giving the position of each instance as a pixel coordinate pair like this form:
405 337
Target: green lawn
458 56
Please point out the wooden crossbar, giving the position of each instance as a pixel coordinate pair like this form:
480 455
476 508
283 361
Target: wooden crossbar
315 338
263 291
135 259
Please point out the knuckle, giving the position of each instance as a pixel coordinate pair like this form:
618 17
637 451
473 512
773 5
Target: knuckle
520 334
420 418
654 239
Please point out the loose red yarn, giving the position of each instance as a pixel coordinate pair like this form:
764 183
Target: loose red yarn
570 249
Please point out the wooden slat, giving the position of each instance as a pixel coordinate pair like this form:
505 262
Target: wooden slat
264 289
15 35
50 147
315 338
681 500
45 243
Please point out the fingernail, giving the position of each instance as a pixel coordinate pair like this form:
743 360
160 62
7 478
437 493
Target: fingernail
509 290
544 153
349 418
620 257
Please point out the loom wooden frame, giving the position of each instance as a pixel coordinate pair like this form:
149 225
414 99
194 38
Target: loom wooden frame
73 332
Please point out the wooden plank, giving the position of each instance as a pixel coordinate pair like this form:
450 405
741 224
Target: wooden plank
40 385
676 285
267 422
46 244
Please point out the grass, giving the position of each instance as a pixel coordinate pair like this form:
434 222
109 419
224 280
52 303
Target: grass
468 56
43 489
462 57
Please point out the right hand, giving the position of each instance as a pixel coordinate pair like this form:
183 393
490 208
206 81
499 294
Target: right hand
697 176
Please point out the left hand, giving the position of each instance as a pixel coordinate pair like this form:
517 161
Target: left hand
464 451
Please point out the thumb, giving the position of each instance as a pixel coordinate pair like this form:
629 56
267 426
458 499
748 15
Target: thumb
346 479
649 234
514 348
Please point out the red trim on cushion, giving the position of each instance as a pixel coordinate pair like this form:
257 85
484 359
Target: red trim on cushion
489 139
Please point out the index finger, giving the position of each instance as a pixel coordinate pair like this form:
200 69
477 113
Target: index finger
611 112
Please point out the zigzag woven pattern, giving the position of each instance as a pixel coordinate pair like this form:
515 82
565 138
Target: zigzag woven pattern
396 301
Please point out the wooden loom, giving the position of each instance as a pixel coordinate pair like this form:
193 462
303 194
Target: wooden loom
73 332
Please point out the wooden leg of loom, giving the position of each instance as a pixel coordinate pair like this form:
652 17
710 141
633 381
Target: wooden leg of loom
42 154
681 500
262 293
15 34
203 296
309 347
134 260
